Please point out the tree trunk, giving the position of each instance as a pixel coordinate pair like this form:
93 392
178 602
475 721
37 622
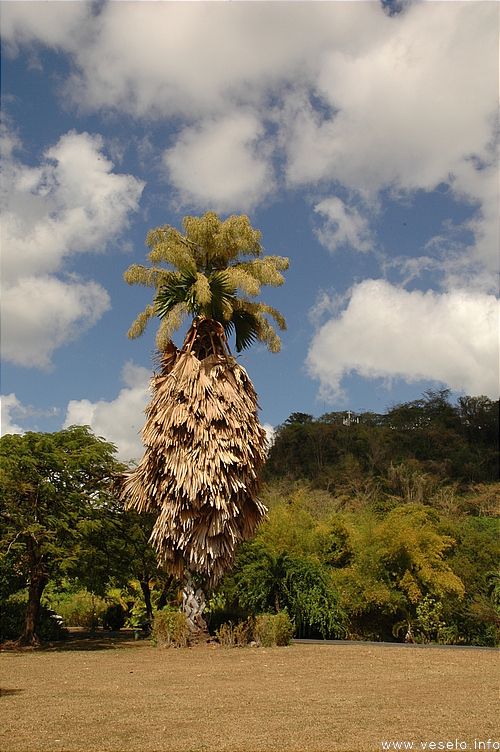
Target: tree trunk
147 597
38 580
163 599
193 605
37 585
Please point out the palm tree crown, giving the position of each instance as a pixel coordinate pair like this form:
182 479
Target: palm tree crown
216 270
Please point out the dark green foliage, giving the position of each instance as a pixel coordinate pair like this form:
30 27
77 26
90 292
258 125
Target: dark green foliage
182 289
12 618
474 558
114 617
61 522
453 442
373 526
368 572
288 567
334 544
12 576
268 581
399 560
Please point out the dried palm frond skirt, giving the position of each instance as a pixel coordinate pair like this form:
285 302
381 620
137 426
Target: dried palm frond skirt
204 450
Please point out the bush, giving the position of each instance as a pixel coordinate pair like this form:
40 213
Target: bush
170 628
114 617
267 579
12 622
230 636
80 609
225 635
273 629
283 628
218 617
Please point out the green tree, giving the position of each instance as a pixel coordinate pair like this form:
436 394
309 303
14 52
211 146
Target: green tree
50 486
441 442
269 581
135 532
117 550
474 558
204 446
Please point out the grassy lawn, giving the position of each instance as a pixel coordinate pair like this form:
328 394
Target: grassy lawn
126 695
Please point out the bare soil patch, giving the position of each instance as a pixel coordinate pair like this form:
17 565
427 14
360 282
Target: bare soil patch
127 695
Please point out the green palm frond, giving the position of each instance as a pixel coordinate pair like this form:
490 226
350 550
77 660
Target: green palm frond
245 326
178 290
222 305
223 297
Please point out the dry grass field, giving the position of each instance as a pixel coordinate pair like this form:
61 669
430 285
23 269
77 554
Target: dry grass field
130 696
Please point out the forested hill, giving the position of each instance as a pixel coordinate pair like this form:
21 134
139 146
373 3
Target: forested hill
425 442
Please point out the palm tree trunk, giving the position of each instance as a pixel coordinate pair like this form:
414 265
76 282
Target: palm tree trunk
193 605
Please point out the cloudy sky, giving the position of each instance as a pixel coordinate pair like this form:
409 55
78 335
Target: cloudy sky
360 137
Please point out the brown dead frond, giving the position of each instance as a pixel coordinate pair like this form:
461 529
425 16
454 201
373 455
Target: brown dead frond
204 451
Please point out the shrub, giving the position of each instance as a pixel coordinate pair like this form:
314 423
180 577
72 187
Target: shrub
225 635
170 628
273 629
283 628
230 636
268 580
80 609
243 632
217 617
114 617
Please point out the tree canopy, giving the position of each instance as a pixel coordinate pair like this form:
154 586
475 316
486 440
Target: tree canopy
428 438
50 486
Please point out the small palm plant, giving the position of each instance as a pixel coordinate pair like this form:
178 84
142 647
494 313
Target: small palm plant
204 446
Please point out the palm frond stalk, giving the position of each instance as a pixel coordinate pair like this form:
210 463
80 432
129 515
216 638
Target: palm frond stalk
204 448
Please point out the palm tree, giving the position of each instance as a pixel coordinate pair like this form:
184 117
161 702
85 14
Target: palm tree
204 446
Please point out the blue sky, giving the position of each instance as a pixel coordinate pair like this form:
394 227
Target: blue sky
361 140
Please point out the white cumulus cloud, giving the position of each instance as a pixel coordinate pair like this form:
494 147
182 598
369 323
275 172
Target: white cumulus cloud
385 331
345 226
72 202
350 95
57 25
338 99
217 163
157 59
39 314
119 421
11 409
270 433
